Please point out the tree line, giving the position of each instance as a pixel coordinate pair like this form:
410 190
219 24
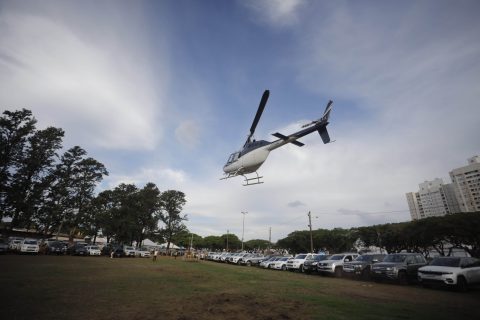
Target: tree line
48 190
441 234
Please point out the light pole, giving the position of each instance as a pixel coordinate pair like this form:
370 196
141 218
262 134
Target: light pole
243 229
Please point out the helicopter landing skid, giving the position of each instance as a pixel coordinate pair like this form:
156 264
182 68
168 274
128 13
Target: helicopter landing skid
252 181
248 181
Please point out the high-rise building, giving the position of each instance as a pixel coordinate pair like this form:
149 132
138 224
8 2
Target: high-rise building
466 181
433 199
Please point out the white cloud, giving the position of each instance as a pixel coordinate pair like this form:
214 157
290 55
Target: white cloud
188 133
75 83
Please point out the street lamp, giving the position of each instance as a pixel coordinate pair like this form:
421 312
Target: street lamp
243 229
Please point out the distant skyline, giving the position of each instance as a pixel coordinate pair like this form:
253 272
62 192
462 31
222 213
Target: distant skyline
165 91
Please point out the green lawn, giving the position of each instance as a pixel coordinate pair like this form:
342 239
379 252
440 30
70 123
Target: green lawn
50 287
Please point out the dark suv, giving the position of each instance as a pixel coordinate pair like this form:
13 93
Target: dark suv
362 266
401 267
55 247
310 265
77 249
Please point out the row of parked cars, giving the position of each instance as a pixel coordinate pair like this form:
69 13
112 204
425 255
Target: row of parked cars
57 247
457 272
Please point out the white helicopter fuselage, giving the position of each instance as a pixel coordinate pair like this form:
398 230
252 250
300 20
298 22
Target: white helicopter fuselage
247 163
251 161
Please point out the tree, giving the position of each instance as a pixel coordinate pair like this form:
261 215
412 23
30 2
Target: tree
15 128
257 244
171 203
75 179
30 181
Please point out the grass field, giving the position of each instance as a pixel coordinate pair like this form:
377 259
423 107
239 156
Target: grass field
51 287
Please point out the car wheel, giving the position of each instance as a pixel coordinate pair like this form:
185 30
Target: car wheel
338 272
301 268
462 284
402 277
366 273
284 267
249 263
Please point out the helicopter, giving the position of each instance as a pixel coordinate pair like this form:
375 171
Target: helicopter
254 153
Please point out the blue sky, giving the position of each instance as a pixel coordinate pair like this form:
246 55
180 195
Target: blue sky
164 91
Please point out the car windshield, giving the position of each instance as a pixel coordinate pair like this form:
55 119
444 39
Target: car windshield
284 259
337 257
30 242
128 248
395 258
300 256
446 262
312 257
94 247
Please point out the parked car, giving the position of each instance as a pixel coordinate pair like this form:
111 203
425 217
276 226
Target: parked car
310 265
265 263
118 252
362 266
77 249
93 250
14 243
296 263
55 247
237 258
458 272
3 246
29 246
142 252
279 264
251 259
334 264
401 267
129 251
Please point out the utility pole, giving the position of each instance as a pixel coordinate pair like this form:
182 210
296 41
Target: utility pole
227 240
270 239
243 229
311 235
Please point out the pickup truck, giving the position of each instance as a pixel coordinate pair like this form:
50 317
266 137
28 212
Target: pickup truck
334 265
296 263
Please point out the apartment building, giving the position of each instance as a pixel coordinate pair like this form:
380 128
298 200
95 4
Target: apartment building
466 181
433 199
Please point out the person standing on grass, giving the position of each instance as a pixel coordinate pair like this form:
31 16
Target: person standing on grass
155 253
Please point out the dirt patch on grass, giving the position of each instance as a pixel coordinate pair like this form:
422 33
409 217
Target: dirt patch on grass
234 307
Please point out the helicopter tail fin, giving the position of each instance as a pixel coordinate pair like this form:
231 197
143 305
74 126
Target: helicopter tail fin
324 135
326 113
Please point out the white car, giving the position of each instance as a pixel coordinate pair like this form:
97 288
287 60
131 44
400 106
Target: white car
279 264
15 243
129 251
29 246
93 250
297 262
237 257
459 272
143 253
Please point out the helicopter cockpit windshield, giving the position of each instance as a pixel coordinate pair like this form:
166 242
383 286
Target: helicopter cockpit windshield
233 157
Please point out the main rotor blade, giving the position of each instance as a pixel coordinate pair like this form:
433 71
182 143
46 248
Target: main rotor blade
261 106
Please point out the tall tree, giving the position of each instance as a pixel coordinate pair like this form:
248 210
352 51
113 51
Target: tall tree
31 179
15 128
75 181
172 202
